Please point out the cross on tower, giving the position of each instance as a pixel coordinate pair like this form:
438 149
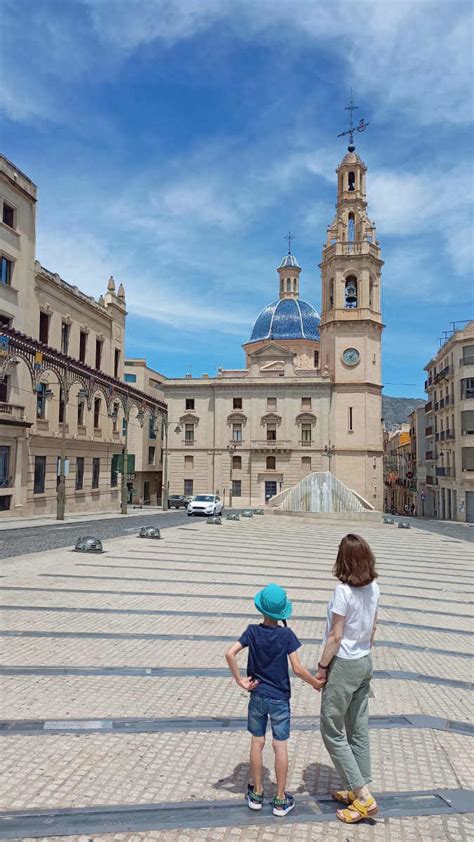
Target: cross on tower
361 127
289 237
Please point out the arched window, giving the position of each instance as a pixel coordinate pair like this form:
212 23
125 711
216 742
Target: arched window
271 463
236 462
371 292
351 228
288 285
351 292
316 359
351 181
295 287
331 293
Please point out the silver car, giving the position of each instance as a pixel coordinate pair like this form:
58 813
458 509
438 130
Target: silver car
205 504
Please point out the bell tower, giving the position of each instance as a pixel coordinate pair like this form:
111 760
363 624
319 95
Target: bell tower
351 331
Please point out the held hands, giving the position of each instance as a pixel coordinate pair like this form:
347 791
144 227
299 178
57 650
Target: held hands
321 678
247 684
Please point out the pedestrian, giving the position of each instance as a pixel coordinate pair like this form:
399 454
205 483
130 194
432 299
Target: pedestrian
405 508
346 665
413 509
270 646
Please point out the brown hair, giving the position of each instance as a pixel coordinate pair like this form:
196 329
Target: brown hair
355 562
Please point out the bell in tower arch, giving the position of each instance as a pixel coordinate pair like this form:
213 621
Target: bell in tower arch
351 292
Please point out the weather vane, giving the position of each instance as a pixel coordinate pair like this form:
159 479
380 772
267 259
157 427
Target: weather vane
361 127
289 237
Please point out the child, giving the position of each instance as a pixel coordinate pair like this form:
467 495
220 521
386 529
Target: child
270 645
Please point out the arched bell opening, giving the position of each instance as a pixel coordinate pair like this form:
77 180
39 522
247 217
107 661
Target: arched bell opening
350 293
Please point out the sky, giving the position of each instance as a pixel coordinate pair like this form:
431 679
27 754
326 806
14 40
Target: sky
175 142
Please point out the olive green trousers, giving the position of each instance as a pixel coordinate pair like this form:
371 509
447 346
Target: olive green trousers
345 718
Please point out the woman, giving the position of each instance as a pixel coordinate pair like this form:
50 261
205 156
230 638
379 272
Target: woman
347 667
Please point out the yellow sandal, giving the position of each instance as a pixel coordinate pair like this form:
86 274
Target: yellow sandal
365 811
344 796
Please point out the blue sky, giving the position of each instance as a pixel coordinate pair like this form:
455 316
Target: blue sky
175 142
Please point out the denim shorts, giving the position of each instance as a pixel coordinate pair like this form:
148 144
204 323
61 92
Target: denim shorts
260 708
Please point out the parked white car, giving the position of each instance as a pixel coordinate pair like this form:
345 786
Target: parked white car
205 504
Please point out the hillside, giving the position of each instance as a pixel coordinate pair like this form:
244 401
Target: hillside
395 411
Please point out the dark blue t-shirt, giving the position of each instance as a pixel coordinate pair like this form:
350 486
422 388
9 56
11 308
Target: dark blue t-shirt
269 647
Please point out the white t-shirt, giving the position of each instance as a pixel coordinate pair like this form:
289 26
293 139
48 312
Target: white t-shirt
358 606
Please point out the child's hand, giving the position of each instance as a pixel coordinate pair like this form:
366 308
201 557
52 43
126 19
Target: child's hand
248 684
319 683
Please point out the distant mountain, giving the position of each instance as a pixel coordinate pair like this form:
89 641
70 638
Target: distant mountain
395 411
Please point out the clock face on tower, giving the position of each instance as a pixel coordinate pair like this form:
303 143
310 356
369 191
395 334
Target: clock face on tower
351 356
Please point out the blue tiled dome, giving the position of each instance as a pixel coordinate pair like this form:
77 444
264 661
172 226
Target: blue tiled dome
288 318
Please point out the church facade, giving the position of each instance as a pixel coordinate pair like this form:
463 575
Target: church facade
309 397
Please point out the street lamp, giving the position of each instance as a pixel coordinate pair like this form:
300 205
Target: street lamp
231 448
164 495
329 451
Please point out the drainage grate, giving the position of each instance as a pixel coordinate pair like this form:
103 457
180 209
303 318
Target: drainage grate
212 672
215 723
226 813
62 635
170 612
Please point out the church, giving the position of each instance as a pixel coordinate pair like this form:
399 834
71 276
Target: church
309 397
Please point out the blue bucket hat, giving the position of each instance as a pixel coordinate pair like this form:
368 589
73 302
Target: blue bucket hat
273 602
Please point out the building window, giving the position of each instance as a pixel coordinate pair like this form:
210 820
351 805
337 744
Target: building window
130 378
351 293
79 473
288 285
316 359
306 463
116 362
331 293
114 469
40 475
188 487
44 328
271 463
65 331
95 471
4 390
5 503
189 403
82 346
305 403
237 403
98 353
236 463
8 215
351 428
97 413
351 181
62 407
236 432
189 432
467 388
271 431
5 467
351 228
271 403
236 488
151 428
80 413
189 461
306 433
41 400
6 270
151 455
5 321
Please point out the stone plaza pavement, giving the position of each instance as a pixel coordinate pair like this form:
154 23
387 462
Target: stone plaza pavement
115 692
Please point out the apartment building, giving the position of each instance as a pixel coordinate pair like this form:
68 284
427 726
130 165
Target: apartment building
65 411
145 443
450 426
